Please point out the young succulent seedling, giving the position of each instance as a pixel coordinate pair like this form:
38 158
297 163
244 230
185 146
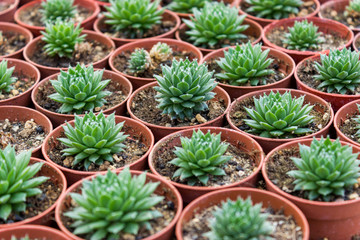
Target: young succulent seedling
161 52
273 9
57 9
325 169
215 24
133 16
6 77
353 7
200 157
303 36
80 89
185 6
139 60
184 88
279 115
245 64
22 238
93 139
17 181
111 204
339 72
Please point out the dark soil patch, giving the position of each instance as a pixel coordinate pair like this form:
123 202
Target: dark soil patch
21 85
350 19
348 127
10 42
4 6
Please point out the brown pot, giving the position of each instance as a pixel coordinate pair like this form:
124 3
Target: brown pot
36 30
59 118
270 143
162 131
167 15
164 189
46 217
286 66
8 14
17 113
47 71
264 21
333 220
135 129
237 139
254 29
23 99
33 232
147 45
267 199
326 26
354 44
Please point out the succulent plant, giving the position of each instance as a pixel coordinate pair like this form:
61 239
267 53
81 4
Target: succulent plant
185 6
139 60
244 65
61 38
325 169
184 88
133 16
17 181
58 9
215 24
161 52
6 77
273 9
354 6
303 36
22 238
80 89
111 204
339 72
279 115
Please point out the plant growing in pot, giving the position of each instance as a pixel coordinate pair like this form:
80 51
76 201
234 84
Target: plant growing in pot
13 40
28 231
356 42
7 10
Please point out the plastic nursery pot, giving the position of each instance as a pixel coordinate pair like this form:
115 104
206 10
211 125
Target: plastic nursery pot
286 65
7 15
237 139
59 118
333 220
254 30
355 43
325 26
135 129
36 30
162 131
164 189
166 16
147 45
270 143
23 114
33 232
268 199
264 21
14 28
46 217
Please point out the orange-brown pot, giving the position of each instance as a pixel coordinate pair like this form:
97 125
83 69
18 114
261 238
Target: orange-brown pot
12 27
8 14
33 232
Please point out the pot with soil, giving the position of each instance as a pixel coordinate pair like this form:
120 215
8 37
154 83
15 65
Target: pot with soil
156 209
225 213
33 232
331 209
356 42
270 127
7 10
237 163
159 51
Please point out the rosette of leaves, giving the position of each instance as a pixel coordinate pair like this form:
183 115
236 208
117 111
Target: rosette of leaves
215 25
161 52
6 77
57 9
353 7
279 115
325 169
185 6
111 204
139 61
273 9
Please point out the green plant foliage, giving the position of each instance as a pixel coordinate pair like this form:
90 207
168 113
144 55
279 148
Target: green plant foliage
22 238
325 169
139 60
6 77
17 181
111 204
354 6
161 52
58 9
185 6
273 9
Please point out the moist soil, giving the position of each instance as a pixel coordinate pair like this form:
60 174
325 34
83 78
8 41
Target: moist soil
348 127
21 85
4 6
144 106
10 42
357 43
285 226
350 19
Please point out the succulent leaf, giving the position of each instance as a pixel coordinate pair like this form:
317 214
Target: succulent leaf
161 52
185 6
273 9
354 6
58 9
6 77
139 60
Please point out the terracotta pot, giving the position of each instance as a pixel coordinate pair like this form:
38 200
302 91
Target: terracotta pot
267 199
12 27
354 44
270 143
8 14
102 5
237 139
167 15
135 129
47 71
286 66
326 26
23 99
33 232
36 30
254 29
59 118
336 100
23 114
164 189
264 22
147 45
44 218
162 131
333 220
